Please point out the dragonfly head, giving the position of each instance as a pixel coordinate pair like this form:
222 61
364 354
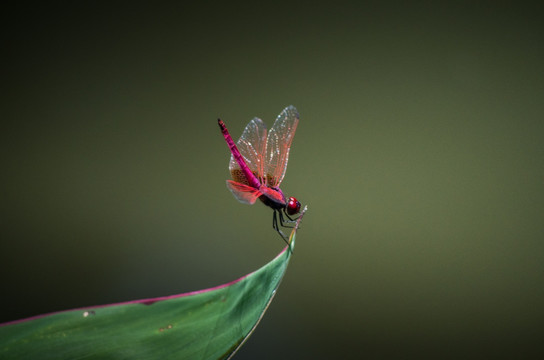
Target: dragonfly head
293 206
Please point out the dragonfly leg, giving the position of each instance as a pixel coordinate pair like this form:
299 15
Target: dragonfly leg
276 227
290 218
282 220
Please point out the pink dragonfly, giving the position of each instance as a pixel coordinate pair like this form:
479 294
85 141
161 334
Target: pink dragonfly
258 163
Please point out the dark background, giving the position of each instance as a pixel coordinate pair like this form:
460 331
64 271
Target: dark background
419 153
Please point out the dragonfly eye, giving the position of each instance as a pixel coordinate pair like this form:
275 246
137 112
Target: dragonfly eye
293 206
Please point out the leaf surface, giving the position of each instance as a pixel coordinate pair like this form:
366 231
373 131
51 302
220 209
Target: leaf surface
206 324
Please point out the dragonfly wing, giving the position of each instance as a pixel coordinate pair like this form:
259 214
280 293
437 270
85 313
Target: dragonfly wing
252 146
243 193
278 144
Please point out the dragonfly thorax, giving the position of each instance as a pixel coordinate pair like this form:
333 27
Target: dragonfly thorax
272 197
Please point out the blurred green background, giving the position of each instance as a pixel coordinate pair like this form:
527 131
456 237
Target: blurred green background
419 154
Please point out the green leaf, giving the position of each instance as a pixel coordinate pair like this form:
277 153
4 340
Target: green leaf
206 324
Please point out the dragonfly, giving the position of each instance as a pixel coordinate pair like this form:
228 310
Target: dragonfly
258 162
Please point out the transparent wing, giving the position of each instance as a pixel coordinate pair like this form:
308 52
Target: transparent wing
252 146
278 144
243 193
